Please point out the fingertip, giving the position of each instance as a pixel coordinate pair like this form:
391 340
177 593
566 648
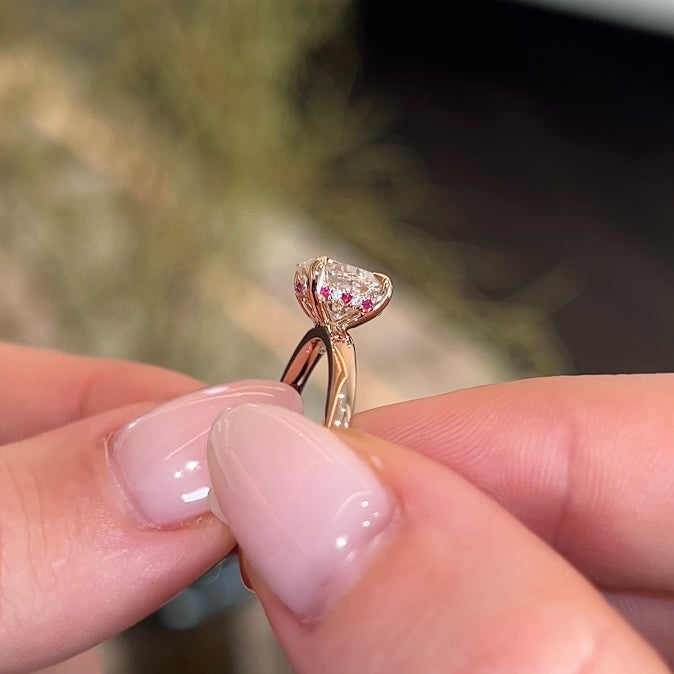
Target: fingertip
304 508
159 458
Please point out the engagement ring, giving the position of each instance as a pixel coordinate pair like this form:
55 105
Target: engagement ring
336 297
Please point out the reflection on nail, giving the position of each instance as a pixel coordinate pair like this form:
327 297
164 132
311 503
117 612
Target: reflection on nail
304 508
159 459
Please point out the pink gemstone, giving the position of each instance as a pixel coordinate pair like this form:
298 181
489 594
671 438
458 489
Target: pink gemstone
346 297
366 305
299 288
325 292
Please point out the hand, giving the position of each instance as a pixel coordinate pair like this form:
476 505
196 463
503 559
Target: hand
80 557
483 545
96 530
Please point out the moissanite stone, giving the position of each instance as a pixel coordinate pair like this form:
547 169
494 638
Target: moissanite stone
347 290
339 293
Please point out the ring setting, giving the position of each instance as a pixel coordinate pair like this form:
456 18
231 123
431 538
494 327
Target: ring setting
337 297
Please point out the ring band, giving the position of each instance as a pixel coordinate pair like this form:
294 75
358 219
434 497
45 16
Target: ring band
337 297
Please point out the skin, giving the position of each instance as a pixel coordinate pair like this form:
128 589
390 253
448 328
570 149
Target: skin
534 531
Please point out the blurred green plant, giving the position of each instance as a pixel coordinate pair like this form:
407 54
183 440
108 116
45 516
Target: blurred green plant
135 137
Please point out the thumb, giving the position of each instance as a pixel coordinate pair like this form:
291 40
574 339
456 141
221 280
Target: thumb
371 558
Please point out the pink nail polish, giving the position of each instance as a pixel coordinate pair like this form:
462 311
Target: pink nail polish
159 459
304 508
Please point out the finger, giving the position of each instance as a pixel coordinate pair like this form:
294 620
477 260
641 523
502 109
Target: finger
475 431
652 617
71 387
85 663
98 531
586 462
409 568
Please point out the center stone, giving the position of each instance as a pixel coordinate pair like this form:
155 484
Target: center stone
347 290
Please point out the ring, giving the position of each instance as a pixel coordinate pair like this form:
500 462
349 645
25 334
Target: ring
336 297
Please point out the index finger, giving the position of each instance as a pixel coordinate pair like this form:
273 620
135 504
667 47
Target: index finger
41 389
587 463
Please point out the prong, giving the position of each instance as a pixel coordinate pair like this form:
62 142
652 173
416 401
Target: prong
304 299
379 306
318 304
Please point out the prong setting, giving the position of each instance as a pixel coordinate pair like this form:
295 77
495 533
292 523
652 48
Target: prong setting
340 295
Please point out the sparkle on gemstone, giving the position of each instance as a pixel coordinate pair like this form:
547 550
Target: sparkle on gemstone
351 286
347 292
302 278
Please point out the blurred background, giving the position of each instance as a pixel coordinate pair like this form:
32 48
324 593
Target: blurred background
164 165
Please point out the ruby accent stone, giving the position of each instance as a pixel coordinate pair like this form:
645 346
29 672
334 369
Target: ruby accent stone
346 292
351 286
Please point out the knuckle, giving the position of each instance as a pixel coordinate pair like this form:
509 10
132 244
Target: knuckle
23 544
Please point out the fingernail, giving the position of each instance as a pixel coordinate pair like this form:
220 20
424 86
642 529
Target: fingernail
159 459
306 510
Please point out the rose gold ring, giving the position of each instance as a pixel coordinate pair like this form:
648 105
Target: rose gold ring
336 297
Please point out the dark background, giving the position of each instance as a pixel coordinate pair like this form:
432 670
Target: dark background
548 138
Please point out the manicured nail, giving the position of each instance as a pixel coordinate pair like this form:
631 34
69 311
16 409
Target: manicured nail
305 509
159 459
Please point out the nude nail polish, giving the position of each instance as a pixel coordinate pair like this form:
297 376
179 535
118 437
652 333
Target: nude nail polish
159 459
304 508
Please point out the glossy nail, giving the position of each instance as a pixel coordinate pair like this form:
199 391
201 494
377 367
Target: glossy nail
306 510
159 459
